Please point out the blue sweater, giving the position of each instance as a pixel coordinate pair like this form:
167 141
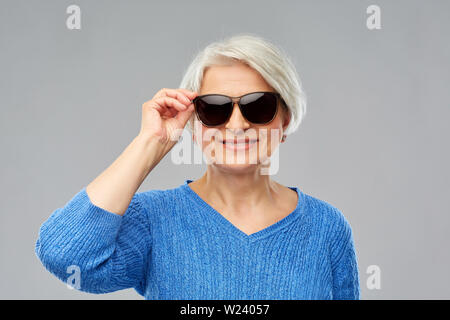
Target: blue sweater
170 244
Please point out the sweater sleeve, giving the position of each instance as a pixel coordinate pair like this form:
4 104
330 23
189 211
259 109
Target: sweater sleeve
344 263
108 250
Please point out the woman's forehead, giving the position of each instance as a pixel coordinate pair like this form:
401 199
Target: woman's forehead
234 80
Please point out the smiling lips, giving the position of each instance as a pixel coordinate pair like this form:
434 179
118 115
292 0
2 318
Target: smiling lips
242 144
231 141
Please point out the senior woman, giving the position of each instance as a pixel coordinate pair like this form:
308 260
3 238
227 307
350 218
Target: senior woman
234 233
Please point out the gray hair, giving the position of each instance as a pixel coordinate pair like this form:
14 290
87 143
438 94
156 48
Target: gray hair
271 62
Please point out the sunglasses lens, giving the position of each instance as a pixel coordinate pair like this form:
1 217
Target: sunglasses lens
213 110
259 107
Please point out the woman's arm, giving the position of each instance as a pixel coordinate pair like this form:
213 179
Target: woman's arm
344 265
345 274
107 244
104 231
113 189
163 119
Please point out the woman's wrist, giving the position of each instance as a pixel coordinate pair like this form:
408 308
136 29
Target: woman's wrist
154 149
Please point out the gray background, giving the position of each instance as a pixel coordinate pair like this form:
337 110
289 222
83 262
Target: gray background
374 142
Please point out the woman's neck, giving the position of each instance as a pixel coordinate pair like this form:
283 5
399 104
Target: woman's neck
239 192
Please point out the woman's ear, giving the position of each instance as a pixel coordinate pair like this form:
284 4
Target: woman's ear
286 118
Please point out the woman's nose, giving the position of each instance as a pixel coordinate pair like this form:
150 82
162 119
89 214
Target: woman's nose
237 120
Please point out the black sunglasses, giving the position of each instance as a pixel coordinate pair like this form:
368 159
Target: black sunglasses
256 107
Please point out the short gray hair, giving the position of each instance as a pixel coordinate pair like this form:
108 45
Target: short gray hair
271 62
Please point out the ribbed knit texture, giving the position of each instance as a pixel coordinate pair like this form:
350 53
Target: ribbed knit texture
170 244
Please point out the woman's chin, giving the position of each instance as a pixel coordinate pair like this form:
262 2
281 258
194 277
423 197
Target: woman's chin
237 167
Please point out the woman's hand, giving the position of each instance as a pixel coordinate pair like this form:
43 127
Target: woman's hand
165 116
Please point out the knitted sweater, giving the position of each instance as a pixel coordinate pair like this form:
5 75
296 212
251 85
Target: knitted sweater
171 244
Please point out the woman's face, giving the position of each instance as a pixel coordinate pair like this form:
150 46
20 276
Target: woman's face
236 80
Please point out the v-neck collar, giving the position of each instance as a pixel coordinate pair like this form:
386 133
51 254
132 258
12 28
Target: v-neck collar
232 229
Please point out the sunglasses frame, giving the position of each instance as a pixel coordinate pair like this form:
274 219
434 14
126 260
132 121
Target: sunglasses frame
238 101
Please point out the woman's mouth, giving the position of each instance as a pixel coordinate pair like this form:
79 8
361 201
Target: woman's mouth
243 144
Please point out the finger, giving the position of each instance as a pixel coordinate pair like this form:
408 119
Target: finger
171 103
178 95
169 114
189 93
183 117
151 104
174 93
162 93
164 110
